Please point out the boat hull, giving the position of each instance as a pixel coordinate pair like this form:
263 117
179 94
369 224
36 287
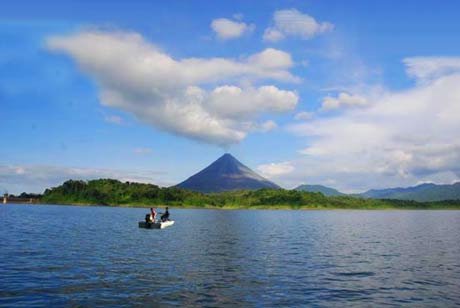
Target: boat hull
156 225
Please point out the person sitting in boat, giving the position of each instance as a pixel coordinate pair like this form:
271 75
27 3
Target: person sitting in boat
165 216
153 215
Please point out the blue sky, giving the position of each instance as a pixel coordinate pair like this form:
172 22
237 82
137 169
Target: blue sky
349 94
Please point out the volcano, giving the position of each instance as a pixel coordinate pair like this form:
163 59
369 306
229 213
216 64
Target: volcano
226 174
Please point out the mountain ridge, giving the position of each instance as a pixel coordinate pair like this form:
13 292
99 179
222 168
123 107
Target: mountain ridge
426 192
423 192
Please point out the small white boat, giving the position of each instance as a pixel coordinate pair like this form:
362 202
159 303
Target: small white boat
157 224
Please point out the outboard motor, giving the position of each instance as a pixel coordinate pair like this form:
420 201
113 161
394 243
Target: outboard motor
147 218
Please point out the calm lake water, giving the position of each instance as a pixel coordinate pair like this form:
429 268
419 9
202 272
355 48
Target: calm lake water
97 256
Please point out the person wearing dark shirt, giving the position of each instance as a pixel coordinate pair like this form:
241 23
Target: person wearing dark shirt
165 216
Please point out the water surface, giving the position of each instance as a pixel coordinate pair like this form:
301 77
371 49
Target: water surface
97 256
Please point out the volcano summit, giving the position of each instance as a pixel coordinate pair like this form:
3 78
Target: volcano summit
226 174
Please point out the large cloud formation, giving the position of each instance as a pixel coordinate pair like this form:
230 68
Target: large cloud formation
399 139
190 97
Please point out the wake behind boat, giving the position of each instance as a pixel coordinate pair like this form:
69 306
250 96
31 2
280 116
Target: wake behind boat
158 224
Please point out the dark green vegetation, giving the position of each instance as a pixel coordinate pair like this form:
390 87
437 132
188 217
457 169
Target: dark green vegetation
113 192
25 195
327 191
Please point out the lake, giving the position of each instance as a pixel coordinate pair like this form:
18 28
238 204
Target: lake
97 256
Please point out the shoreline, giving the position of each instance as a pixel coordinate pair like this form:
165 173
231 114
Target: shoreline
255 207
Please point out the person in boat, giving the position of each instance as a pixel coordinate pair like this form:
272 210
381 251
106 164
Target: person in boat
165 216
153 215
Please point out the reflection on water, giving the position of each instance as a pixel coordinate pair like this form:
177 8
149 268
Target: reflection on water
97 256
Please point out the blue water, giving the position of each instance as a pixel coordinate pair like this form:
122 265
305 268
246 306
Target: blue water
58 256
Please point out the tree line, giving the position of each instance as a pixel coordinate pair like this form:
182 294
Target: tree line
113 192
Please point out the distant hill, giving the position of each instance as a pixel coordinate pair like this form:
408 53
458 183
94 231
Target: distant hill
327 191
226 174
421 193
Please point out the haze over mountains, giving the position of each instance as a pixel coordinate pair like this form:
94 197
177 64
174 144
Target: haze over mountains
226 174
422 193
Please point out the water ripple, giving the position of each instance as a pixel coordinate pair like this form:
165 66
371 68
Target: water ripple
215 258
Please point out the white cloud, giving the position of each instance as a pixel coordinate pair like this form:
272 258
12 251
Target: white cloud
399 139
268 126
19 170
36 178
428 68
273 59
304 115
177 96
261 127
142 151
275 169
226 29
232 101
294 23
343 99
273 35
114 119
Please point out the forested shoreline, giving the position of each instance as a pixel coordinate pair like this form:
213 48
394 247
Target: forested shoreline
115 193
